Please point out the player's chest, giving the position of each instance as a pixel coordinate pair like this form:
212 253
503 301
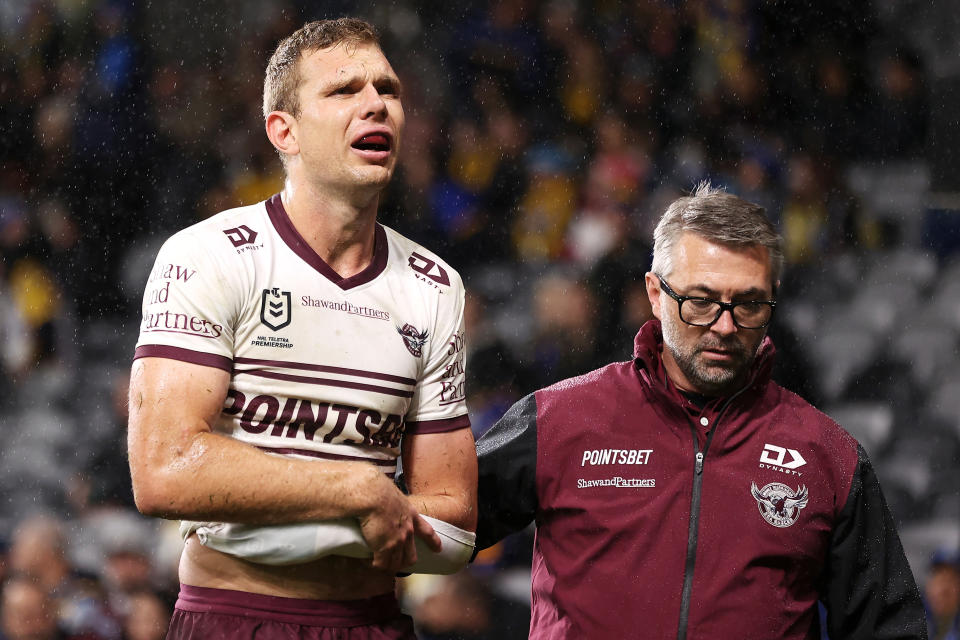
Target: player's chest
376 334
365 346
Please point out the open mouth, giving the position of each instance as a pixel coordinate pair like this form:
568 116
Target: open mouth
719 354
373 142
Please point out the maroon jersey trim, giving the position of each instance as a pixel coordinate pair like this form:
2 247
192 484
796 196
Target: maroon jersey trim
438 426
328 456
326 382
184 355
293 239
327 369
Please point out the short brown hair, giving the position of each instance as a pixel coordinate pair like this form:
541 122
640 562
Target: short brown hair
283 73
719 217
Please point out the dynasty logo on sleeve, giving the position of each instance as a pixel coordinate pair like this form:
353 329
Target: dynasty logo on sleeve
242 235
424 266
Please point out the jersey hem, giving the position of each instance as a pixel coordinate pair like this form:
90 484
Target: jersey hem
328 613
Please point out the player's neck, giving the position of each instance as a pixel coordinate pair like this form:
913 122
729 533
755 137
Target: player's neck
339 229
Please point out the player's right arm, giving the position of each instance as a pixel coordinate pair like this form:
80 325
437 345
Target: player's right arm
182 469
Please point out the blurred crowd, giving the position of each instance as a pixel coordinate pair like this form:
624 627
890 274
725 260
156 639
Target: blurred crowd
544 138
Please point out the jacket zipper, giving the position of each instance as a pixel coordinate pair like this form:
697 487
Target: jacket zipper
693 530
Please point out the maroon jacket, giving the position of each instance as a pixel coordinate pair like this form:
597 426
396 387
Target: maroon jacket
658 519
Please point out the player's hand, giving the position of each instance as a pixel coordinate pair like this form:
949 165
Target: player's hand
392 525
425 532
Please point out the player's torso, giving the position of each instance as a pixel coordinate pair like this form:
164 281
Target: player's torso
324 369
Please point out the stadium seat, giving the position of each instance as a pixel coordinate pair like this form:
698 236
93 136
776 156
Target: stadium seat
892 191
920 540
869 422
944 400
839 352
902 267
929 348
909 472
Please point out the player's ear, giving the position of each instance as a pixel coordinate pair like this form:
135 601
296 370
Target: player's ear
653 293
282 132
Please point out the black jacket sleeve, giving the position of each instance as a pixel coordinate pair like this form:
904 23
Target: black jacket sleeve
867 587
507 459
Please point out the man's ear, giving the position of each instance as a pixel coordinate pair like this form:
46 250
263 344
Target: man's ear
282 132
653 293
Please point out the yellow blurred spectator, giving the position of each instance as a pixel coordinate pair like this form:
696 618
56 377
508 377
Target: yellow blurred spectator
36 295
545 211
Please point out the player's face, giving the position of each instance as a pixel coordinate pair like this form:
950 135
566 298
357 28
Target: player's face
351 119
710 360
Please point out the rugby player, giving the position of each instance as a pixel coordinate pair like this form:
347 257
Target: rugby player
291 351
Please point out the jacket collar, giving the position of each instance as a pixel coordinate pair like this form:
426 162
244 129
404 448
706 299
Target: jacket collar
648 360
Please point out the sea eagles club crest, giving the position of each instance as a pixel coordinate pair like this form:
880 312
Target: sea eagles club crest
413 339
779 504
275 308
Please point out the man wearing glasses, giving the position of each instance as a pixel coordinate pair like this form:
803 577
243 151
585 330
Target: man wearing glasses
685 494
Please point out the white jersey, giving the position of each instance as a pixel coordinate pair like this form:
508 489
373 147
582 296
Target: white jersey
321 366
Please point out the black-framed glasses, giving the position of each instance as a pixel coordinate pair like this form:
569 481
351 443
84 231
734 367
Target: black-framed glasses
703 312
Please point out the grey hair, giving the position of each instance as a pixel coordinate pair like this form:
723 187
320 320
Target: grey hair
719 217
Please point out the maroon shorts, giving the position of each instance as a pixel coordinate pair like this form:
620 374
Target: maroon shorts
218 614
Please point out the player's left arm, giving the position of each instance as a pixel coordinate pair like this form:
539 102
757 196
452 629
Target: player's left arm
440 471
439 459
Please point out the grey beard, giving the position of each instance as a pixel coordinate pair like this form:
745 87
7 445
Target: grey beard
709 381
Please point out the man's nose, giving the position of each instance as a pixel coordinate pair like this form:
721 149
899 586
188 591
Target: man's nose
372 102
724 325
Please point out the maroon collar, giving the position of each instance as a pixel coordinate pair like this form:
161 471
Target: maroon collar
293 239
